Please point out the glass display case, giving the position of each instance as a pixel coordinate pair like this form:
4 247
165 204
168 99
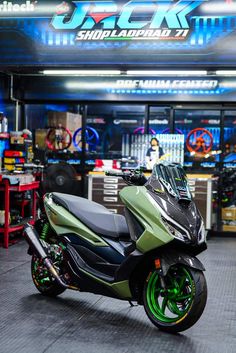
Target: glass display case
229 148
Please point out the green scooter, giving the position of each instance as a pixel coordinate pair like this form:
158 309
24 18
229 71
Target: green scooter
147 256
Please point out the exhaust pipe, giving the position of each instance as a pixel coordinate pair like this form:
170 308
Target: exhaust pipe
34 242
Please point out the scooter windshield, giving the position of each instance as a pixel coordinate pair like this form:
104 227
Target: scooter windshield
174 179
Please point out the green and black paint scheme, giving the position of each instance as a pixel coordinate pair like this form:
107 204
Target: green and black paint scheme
147 256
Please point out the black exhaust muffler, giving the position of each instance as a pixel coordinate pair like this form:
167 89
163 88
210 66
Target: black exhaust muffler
35 244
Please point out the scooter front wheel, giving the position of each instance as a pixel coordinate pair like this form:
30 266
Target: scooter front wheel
180 304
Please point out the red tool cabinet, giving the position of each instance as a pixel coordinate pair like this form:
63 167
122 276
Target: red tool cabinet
7 189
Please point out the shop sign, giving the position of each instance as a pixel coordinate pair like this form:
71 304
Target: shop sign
164 21
10 7
136 32
125 89
167 84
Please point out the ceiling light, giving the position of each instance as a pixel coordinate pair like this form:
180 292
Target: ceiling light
87 85
167 72
81 72
218 7
226 72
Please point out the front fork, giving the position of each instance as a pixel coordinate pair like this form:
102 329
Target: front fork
159 270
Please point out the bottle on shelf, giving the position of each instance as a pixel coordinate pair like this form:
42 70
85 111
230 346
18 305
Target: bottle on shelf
3 123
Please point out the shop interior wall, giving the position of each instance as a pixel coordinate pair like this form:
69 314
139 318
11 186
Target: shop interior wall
112 120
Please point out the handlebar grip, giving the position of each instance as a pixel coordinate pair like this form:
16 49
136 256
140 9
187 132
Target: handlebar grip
114 174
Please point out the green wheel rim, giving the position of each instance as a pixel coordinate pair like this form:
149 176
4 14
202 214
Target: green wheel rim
170 305
40 273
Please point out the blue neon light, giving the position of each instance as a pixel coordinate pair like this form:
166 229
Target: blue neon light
206 30
169 91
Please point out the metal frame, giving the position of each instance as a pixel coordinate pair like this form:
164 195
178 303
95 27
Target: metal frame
209 205
90 187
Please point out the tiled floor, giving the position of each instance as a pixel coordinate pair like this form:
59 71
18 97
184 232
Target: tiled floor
82 322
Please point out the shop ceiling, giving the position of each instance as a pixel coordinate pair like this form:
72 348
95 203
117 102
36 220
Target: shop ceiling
140 40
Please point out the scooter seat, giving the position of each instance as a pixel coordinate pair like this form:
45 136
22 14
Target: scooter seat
95 216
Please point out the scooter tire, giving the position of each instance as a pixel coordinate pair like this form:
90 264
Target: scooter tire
193 311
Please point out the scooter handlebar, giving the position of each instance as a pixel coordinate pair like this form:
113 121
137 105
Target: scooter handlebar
117 174
129 177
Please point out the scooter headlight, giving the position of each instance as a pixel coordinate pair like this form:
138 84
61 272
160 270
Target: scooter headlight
175 231
202 233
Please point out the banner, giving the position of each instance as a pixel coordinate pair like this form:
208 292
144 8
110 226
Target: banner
136 32
123 88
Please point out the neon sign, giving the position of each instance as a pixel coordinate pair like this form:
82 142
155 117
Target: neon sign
9 7
167 84
107 20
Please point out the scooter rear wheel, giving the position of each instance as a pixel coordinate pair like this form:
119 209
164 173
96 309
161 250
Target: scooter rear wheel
43 280
179 306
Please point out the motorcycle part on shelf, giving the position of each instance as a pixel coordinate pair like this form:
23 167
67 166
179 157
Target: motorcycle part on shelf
147 256
91 137
199 140
227 187
60 177
58 138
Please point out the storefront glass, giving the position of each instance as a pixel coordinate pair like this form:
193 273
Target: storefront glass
201 129
229 149
111 123
159 119
108 124
36 115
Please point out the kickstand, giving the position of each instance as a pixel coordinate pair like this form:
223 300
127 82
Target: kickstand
131 304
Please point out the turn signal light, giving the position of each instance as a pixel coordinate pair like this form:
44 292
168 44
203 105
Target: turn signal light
157 264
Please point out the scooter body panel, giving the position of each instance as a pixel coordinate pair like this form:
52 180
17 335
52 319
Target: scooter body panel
63 222
144 208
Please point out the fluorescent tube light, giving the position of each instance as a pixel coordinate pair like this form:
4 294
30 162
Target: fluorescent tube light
219 8
87 85
81 72
167 72
226 72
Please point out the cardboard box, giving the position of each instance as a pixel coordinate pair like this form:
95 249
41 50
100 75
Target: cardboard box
229 213
228 228
17 140
40 137
68 120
